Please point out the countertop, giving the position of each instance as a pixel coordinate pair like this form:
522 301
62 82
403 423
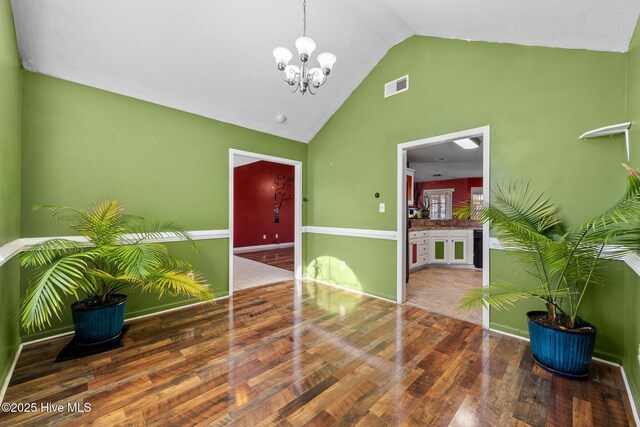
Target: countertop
447 224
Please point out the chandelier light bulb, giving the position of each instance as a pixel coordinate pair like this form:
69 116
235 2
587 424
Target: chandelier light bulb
326 61
316 77
283 56
305 47
291 73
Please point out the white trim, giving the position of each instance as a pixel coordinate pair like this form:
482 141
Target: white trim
262 247
632 403
9 250
7 380
351 232
401 216
344 288
129 320
14 247
494 243
297 202
633 261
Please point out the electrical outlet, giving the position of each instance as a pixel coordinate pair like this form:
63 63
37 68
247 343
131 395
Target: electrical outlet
638 354
264 237
276 235
381 208
191 275
343 265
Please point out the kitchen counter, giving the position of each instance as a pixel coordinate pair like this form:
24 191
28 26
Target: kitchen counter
447 224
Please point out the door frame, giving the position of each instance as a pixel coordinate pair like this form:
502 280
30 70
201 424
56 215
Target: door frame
297 202
485 133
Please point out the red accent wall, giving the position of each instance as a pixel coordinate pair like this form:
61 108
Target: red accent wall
253 214
461 186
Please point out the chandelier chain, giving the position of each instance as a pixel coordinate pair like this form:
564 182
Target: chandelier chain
304 19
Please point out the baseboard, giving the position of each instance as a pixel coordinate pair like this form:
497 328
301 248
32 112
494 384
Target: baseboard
344 288
7 378
632 401
608 358
136 316
262 247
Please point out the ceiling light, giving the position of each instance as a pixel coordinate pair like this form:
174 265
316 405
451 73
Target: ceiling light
441 159
302 78
281 118
467 143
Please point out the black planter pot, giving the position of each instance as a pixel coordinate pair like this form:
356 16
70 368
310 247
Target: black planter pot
562 352
98 325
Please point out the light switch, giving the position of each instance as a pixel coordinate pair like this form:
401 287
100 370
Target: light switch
381 208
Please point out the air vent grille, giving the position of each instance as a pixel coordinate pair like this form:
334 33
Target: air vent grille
396 86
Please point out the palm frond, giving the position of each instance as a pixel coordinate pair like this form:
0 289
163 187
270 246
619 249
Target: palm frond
497 296
176 282
625 211
43 301
45 252
138 260
157 231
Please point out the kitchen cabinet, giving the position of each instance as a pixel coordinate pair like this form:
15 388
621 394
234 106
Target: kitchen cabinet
409 175
418 249
450 247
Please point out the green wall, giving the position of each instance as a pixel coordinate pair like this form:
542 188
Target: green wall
537 102
10 88
81 143
632 300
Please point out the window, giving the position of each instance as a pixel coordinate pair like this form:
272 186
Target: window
439 203
477 199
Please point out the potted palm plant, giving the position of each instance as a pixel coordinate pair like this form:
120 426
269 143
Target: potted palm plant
117 251
564 262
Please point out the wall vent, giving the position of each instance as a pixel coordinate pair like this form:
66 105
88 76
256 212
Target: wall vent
396 86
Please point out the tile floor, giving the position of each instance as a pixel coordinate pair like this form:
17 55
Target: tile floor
248 273
440 290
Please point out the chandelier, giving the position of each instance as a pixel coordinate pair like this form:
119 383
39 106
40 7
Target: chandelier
302 77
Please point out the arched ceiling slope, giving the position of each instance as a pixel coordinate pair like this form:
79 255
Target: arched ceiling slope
213 57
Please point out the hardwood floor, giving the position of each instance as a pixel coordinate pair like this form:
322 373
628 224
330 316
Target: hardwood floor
310 354
441 289
281 258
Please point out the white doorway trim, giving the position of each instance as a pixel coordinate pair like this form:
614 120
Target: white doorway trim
401 214
297 239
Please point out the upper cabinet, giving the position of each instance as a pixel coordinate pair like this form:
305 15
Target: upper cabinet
409 175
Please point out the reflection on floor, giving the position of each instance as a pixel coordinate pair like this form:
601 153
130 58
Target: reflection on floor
248 273
303 353
441 289
281 258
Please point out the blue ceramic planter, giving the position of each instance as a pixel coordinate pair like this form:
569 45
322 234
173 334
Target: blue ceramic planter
565 353
95 325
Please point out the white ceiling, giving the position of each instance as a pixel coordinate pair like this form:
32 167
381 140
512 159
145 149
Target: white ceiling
213 57
243 160
448 160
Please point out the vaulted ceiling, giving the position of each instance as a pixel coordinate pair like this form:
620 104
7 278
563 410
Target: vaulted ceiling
213 57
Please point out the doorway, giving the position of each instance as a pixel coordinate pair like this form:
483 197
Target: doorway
438 256
265 219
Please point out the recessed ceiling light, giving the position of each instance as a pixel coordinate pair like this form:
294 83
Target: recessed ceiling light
467 143
441 159
281 118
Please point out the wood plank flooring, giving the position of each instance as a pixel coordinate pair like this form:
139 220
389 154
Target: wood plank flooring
304 353
281 258
441 289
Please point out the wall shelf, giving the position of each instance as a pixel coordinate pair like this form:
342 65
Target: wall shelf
610 130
